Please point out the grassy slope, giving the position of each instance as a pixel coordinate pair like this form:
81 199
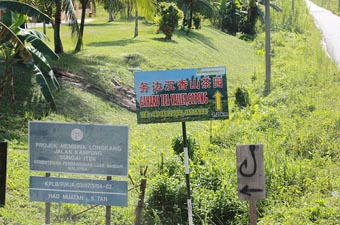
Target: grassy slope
332 5
298 122
103 59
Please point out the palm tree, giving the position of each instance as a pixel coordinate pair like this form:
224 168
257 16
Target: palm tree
113 7
67 7
147 7
26 46
83 3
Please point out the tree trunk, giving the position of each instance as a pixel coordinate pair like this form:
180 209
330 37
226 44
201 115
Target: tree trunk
140 204
58 46
136 19
82 25
110 11
111 19
190 18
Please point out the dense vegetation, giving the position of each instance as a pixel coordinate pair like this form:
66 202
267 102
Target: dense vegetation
332 5
298 123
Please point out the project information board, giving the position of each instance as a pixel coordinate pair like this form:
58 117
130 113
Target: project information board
181 95
78 148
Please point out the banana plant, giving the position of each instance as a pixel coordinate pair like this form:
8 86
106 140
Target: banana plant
24 46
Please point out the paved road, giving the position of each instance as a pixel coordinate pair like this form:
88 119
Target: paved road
329 25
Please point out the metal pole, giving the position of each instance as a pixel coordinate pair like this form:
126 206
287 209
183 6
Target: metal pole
268 66
187 173
47 208
108 208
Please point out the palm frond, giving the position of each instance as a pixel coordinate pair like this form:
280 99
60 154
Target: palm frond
23 8
204 7
71 17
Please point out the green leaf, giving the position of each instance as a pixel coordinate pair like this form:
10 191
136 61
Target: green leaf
42 63
45 89
35 39
23 8
7 37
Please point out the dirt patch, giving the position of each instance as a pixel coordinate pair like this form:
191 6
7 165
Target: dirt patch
120 94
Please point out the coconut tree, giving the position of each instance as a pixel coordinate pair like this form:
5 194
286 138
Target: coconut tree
67 7
147 7
23 46
54 9
83 3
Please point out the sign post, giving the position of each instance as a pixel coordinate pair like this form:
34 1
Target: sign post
250 174
3 172
180 96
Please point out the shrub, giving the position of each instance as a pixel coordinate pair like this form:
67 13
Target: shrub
197 21
169 17
177 146
166 204
242 98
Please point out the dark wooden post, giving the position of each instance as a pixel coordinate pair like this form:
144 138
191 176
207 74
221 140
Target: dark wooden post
140 205
3 172
108 208
47 208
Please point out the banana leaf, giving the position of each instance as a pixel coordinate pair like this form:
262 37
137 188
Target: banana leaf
34 37
40 60
8 38
45 89
23 8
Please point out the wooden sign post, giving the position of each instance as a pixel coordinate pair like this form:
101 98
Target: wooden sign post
3 172
250 174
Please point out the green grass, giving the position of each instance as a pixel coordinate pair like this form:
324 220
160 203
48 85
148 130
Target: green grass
332 5
298 122
103 59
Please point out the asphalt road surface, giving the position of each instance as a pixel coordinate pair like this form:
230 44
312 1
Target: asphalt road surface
329 25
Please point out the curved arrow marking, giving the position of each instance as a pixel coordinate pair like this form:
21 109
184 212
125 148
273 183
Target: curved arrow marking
244 164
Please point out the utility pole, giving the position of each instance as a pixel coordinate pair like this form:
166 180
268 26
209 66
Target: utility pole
267 45
293 6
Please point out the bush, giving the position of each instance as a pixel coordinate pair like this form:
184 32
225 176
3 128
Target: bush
169 17
242 98
177 146
197 21
166 204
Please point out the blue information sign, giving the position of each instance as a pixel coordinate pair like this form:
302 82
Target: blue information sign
78 148
78 191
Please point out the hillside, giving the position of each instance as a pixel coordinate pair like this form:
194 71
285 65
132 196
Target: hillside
298 124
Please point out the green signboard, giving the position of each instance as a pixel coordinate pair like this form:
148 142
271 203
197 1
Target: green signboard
181 95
